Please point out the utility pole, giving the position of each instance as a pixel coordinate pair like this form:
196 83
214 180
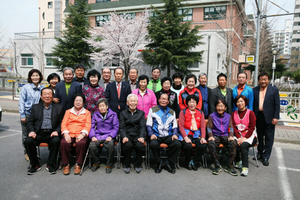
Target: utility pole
208 56
258 5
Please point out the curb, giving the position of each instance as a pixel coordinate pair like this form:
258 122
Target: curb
10 111
291 141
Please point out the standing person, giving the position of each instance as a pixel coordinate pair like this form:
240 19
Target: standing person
243 123
30 94
75 129
44 126
221 92
133 75
177 86
106 76
243 89
205 92
146 97
116 92
65 90
79 75
190 89
133 133
154 83
166 83
266 108
93 92
53 79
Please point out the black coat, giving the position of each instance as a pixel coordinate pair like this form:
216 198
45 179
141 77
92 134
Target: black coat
60 92
173 102
137 84
216 94
209 102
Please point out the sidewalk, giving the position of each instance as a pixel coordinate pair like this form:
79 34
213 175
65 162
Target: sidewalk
286 134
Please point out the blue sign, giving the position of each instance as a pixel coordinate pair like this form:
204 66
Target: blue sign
284 102
21 84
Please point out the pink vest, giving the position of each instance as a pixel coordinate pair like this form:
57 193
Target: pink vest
241 124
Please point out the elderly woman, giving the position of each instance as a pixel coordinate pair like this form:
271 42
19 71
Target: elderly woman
75 128
30 94
190 89
93 92
219 130
192 130
105 127
146 97
166 83
177 86
243 122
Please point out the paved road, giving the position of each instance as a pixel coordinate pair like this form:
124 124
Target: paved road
278 181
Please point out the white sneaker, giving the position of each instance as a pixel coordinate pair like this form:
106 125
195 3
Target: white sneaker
238 165
244 171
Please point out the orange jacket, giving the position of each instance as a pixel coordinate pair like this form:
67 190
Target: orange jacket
74 123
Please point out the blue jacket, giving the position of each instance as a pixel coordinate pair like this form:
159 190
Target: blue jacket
248 93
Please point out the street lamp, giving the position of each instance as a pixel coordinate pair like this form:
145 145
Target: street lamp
274 52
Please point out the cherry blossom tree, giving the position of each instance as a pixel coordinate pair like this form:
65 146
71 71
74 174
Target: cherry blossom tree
119 38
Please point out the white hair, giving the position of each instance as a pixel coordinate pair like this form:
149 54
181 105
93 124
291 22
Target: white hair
68 68
132 95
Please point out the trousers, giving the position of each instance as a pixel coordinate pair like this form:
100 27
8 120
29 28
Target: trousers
110 147
132 143
65 149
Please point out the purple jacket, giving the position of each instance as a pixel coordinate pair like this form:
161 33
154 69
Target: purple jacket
103 128
221 124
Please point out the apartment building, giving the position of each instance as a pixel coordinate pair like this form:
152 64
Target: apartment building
282 39
295 53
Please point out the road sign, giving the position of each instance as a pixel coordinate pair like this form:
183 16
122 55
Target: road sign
10 81
284 102
282 95
250 59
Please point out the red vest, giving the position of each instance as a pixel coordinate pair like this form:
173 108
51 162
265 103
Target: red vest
188 119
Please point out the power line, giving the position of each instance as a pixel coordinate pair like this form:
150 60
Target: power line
278 6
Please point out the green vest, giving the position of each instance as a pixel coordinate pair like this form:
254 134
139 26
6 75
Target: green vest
154 86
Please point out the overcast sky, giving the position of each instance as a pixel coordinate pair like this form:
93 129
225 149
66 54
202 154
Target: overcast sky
18 16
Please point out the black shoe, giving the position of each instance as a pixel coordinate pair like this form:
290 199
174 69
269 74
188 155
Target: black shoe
189 167
196 166
95 167
52 169
108 170
231 171
258 157
159 167
33 169
138 169
265 162
169 168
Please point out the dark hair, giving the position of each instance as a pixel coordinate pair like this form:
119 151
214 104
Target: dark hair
79 95
190 97
220 101
164 79
220 75
241 96
51 76
264 74
190 76
48 88
30 74
135 69
143 77
178 75
119 68
161 93
154 68
93 72
242 73
80 65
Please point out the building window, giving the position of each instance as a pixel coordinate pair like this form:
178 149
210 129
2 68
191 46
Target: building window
100 19
50 4
27 59
218 61
50 25
297 40
67 3
295 65
131 15
189 14
194 65
43 15
217 12
49 59
100 1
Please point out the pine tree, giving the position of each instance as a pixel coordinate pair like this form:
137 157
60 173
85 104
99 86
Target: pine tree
171 39
72 48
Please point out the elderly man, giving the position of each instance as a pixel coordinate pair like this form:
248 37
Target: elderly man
106 75
132 131
65 90
116 92
155 84
266 108
243 89
44 126
205 92
133 75
162 128
79 75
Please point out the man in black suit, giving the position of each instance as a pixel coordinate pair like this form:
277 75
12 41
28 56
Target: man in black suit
266 108
116 92
65 90
221 92
79 75
133 75
44 126
205 92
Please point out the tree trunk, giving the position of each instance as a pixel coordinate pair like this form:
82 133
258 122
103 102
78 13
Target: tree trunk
168 71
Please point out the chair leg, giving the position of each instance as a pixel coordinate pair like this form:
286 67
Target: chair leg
118 155
146 156
86 155
255 156
148 162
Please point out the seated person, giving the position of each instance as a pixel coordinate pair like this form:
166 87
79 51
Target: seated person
75 128
192 130
243 122
132 131
105 127
219 129
44 126
162 128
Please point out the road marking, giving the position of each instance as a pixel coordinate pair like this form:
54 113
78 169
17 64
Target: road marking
11 130
285 187
290 169
9 135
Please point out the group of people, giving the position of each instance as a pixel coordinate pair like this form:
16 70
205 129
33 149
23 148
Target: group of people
84 113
